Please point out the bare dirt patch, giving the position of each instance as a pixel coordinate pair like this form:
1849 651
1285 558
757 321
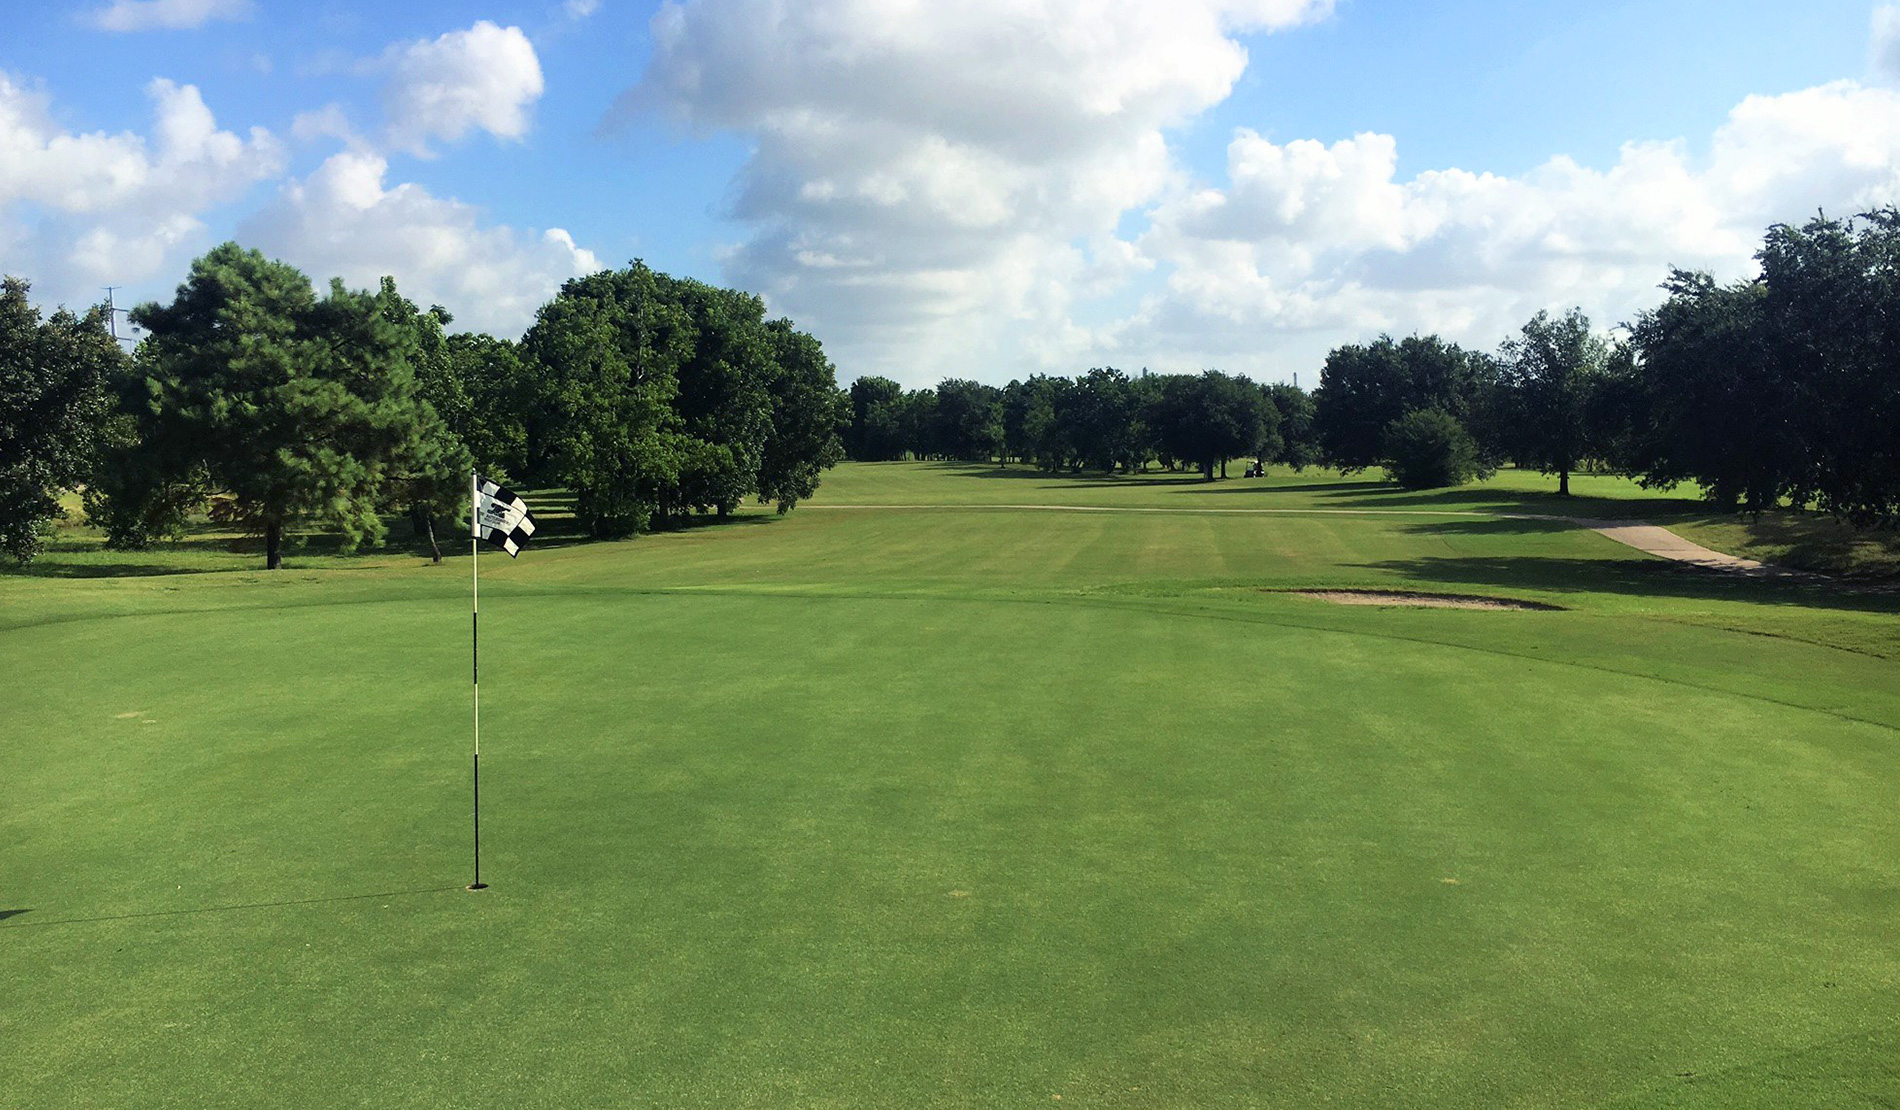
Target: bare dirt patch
1424 601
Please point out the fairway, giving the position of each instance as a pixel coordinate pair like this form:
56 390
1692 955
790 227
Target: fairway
937 792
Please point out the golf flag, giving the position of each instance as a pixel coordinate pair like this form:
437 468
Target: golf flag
501 518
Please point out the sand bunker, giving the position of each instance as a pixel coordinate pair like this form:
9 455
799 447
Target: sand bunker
1423 601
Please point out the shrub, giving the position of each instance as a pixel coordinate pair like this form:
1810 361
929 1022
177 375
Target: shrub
1428 448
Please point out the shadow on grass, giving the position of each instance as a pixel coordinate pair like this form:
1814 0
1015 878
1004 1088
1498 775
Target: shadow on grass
4 914
1491 526
207 547
1086 479
42 568
223 909
1636 577
1817 542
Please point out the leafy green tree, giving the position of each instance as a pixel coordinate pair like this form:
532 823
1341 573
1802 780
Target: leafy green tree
917 424
722 401
1550 374
659 396
1832 295
53 408
1429 449
1706 401
1362 389
1207 420
806 414
876 420
484 392
429 475
968 421
295 408
1299 439
605 354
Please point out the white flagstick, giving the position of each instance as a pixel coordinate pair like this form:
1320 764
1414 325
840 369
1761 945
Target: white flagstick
475 657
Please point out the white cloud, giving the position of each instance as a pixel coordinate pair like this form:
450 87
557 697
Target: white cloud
1884 48
941 188
486 78
79 210
931 183
1310 245
580 9
344 220
148 15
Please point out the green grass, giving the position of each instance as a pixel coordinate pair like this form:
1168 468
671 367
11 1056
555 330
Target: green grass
957 805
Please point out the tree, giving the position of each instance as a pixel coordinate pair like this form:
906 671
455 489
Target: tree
968 422
721 403
1362 389
295 408
1549 373
661 396
876 409
806 412
1428 449
1208 419
1830 302
485 394
1299 439
429 475
607 350
1705 400
53 406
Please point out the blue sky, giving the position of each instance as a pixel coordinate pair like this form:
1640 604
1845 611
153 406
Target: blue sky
984 189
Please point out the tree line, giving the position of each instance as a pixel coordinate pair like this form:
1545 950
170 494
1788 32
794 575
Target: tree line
1102 420
1780 389
653 398
254 399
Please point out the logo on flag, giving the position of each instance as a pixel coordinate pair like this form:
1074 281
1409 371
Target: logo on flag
501 518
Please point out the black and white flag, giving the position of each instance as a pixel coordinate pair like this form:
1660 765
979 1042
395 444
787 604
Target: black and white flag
501 518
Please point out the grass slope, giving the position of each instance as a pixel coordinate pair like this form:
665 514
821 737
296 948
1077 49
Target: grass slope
956 805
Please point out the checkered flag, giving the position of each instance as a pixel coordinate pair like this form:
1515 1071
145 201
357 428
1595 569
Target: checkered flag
501 518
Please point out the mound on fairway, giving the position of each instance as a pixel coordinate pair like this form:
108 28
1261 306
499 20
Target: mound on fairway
957 804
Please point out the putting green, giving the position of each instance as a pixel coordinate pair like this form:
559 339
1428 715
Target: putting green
954 807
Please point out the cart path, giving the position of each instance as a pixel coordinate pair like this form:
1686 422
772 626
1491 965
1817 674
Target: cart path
1651 539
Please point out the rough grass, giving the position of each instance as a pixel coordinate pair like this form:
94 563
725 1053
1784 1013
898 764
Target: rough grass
956 806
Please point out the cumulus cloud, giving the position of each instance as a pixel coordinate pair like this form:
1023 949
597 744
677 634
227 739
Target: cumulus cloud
944 189
931 183
1885 44
172 15
79 210
485 78
346 220
1308 244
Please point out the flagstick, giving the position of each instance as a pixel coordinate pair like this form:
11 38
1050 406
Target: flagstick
475 662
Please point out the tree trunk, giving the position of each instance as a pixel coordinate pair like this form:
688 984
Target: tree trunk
423 521
273 544
1563 482
1207 470
1223 470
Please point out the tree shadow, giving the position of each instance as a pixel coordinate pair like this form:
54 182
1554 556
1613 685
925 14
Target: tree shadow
1818 542
4 914
1231 486
41 568
221 909
1636 577
1491 499
1492 526
1052 479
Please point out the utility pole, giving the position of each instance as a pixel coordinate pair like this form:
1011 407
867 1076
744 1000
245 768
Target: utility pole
112 315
